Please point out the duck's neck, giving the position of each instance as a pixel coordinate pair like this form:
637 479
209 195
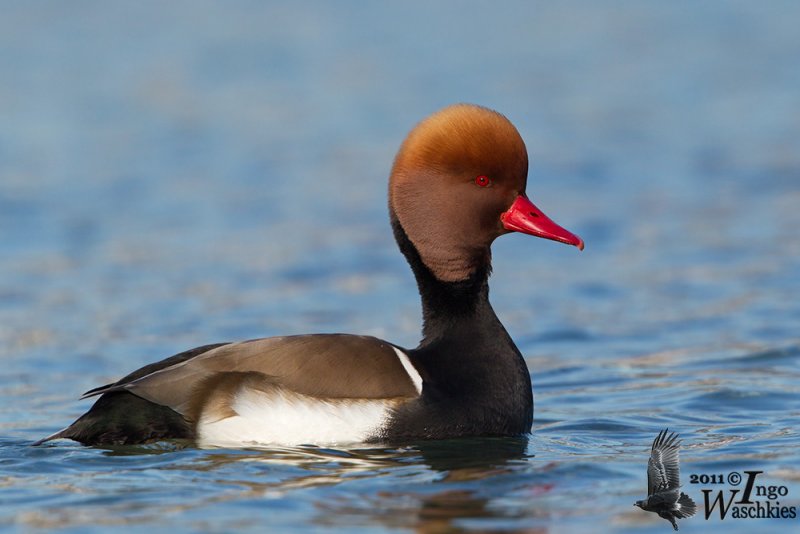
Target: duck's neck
448 306
467 359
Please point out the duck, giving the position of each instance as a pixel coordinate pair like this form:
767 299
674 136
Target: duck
458 182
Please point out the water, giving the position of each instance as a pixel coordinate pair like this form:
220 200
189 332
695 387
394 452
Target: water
185 173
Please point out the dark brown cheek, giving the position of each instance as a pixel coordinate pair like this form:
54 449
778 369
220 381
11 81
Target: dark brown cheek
489 222
502 203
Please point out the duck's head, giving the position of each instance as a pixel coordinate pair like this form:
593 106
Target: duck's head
458 182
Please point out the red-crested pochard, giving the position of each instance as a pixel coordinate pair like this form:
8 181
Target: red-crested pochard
458 182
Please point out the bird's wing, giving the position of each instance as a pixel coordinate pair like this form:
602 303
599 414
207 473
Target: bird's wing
327 366
664 498
151 368
663 471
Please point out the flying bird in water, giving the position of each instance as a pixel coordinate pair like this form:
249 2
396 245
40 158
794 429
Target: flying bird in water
664 495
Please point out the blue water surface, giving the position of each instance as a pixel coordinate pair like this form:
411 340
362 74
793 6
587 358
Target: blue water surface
180 173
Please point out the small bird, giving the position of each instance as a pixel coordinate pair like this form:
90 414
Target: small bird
664 496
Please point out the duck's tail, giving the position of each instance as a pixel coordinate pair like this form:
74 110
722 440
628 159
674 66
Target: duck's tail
58 435
122 418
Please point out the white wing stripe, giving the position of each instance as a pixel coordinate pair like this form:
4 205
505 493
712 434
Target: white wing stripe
416 379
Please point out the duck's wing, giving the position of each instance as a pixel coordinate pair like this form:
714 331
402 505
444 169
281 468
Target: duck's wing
328 366
663 470
151 368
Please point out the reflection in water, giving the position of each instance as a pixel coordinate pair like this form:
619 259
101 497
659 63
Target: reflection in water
436 484
472 453
453 495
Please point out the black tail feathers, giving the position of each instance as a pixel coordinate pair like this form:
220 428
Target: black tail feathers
686 507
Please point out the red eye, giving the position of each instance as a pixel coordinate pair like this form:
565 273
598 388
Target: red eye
483 181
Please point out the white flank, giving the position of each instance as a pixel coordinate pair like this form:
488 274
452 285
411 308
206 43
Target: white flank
412 372
286 418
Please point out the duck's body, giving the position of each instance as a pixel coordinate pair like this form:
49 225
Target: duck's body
458 182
